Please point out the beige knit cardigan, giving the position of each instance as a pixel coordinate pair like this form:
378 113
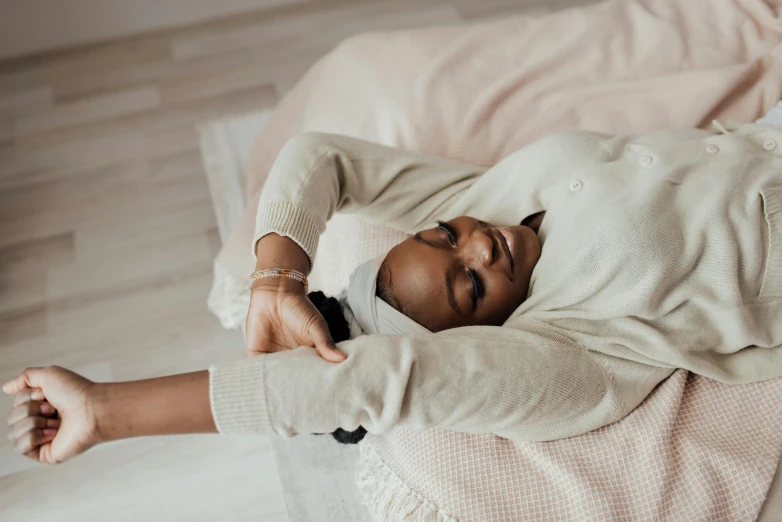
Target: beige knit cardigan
660 251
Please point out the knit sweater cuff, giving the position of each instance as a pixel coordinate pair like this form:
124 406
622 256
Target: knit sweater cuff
237 395
285 219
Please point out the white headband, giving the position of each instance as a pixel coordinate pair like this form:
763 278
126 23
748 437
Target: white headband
374 315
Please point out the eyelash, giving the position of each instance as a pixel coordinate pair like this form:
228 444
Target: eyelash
477 286
445 227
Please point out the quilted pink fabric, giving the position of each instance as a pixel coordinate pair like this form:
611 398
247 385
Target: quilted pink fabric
694 450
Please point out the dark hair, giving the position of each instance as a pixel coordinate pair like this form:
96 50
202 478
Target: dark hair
339 329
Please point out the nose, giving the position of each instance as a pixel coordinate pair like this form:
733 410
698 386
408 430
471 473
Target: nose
479 248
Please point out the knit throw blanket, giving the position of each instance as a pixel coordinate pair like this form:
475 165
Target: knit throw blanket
694 450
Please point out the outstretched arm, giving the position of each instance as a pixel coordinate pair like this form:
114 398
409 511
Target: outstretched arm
513 383
520 384
59 414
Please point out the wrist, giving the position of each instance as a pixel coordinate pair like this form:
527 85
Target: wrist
98 410
280 284
276 251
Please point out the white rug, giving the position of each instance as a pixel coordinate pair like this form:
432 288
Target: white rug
316 472
225 150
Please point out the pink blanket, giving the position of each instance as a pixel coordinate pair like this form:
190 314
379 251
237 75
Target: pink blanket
695 449
477 93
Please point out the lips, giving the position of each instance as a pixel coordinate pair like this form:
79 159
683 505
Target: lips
509 245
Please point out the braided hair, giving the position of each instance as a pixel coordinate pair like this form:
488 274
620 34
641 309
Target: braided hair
339 329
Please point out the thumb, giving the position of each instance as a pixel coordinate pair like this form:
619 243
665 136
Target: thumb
29 378
324 344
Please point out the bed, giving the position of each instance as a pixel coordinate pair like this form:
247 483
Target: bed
537 76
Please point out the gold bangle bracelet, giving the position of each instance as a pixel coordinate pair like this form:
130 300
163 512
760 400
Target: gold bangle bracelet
279 272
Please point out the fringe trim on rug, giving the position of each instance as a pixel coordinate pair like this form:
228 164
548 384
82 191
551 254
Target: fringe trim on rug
229 298
387 497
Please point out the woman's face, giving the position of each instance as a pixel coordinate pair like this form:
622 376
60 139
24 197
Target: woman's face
463 272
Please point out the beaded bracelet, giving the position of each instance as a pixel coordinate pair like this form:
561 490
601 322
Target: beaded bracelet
279 272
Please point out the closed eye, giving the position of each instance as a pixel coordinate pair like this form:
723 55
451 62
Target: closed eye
448 229
477 288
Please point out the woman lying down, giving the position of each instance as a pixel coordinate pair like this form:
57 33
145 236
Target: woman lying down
555 291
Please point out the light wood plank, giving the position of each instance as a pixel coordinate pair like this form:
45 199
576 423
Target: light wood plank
81 72
22 164
220 82
175 140
87 489
30 157
98 238
325 24
6 131
97 108
22 322
22 280
61 202
45 251
94 273
158 325
110 201
24 288
27 102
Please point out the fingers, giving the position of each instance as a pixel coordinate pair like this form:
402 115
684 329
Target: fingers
31 423
31 409
29 378
27 395
324 345
33 440
22 426
330 354
293 321
30 432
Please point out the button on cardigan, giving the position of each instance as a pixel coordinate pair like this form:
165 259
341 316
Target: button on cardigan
659 251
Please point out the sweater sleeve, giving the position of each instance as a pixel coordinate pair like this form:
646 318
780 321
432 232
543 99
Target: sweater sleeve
506 381
318 174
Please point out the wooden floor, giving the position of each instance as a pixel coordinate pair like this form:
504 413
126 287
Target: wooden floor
107 237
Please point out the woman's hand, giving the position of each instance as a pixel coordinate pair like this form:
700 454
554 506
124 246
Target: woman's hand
53 418
58 414
281 316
